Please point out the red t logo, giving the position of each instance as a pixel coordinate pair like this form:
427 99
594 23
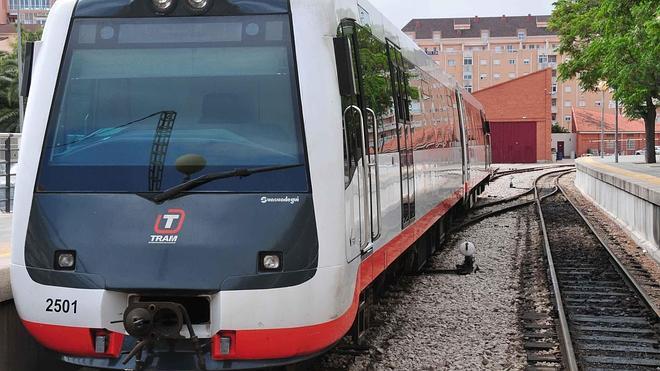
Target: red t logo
170 223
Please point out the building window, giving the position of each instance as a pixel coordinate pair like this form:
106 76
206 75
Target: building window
552 58
467 61
468 87
543 59
512 61
496 62
554 102
630 144
554 117
568 103
485 34
509 48
512 75
483 76
567 118
451 62
483 62
612 104
437 36
526 61
498 49
522 34
496 76
598 103
450 50
554 88
467 76
582 103
567 89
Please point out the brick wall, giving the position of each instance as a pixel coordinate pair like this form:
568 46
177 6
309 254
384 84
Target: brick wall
524 99
628 143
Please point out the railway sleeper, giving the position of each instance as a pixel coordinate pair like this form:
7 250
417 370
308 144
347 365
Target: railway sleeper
619 348
619 339
599 360
610 319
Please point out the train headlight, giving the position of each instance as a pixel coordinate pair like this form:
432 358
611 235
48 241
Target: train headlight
65 260
199 5
163 6
270 261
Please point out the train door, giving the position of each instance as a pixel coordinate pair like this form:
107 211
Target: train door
358 194
372 72
464 121
400 87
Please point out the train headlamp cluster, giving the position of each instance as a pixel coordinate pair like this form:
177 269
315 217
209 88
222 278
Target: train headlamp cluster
270 261
168 6
164 6
65 260
198 4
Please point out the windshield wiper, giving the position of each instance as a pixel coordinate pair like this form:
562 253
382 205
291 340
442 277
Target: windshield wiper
114 128
204 179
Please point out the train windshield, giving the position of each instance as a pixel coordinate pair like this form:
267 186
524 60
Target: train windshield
145 104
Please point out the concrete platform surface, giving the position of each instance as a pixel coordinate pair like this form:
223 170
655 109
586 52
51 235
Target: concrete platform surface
629 191
631 174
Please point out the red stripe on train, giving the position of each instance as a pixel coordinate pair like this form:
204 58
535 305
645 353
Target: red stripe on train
75 341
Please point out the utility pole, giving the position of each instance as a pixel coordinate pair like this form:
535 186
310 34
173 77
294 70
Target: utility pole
602 124
616 133
19 61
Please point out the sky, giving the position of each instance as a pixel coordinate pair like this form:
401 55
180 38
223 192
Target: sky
402 11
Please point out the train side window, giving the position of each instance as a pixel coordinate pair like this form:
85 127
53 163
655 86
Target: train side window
376 89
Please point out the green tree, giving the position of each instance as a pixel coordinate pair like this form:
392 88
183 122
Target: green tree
9 116
617 42
558 129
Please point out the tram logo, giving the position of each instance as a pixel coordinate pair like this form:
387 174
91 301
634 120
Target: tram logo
168 226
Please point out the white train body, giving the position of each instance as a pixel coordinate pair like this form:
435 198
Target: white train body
106 73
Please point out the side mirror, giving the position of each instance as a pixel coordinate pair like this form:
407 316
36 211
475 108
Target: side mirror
345 70
27 68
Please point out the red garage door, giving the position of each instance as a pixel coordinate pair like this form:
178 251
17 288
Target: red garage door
513 142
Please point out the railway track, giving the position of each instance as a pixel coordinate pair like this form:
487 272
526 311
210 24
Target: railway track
605 320
487 210
499 174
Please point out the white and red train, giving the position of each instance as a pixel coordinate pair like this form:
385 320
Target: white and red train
221 184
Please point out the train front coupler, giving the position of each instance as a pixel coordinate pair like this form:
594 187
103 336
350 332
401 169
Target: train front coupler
154 322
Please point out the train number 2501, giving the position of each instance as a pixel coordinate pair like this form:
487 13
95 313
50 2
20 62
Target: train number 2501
61 306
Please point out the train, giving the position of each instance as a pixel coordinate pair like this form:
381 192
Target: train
225 184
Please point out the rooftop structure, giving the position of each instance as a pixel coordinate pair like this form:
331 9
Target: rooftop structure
480 52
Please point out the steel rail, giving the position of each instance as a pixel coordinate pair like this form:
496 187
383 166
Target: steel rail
483 216
568 352
618 265
498 175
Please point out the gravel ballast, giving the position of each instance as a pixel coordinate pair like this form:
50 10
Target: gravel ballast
437 321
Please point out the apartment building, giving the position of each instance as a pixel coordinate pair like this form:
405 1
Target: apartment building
31 11
482 52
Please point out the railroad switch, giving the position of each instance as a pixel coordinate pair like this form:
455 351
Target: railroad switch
468 267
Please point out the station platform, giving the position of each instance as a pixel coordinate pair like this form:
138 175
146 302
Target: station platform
629 191
5 235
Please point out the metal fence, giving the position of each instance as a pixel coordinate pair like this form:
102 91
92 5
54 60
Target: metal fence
8 168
